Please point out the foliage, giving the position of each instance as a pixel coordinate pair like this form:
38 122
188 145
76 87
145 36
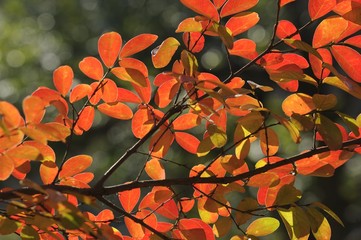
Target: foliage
206 116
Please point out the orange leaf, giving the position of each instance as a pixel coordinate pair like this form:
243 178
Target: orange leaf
137 44
203 7
236 6
116 110
134 64
161 142
189 25
155 169
242 22
95 94
75 165
185 204
109 91
142 122
345 84
10 116
349 60
263 180
105 216
245 48
285 29
48 171
193 228
54 131
354 41
6 167
166 93
187 141
131 75
186 121
144 92
319 8
316 63
125 95
86 117
79 91
269 142
84 177
284 2
47 153
298 103
128 199
92 68
162 55
34 109
63 78
194 41
109 45
329 30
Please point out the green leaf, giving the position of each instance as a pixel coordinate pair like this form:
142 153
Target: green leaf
319 225
263 226
296 222
350 122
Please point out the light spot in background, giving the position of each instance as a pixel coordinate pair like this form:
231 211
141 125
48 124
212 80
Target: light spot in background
257 34
89 4
211 58
6 89
46 21
49 61
15 58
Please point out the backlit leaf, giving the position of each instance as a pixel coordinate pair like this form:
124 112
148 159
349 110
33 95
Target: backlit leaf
290 126
320 227
203 7
194 41
263 226
137 44
161 142
263 180
74 165
162 55
296 222
235 6
186 121
242 22
86 118
193 228
110 91
217 136
10 116
328 211
48 171
187 141
316 63
125 95
245 48
116 110
62 79
319 8
324 102
135 229
131 75
298 103
324 36
226 36
128 199
79 92
354 41
155 169
189 25
34 109
109 45
349 60
287 29
269 142
166 93
344 84
92 68
350 122
142 122
6 167
298 44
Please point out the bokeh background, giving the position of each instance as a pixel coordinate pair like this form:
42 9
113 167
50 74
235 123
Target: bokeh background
38 36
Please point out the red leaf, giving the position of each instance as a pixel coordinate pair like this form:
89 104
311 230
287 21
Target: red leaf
285 29
203 7
316 63
86 118
144 92
75 165
245 48
79 91
109 45
92 68
284 2
34 109
96 93
319 8
63 78
187 141
161 142
116 110
329 30
193 228
354 41
236 6
105 216
137 44
166 93
162 55
142 122
242 22
128 199
349 60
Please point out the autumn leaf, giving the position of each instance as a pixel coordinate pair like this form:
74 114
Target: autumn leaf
162 55
75 165
137 44
319 8
63 78
203 7
92 68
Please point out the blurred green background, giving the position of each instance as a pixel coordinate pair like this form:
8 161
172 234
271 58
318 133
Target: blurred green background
38 36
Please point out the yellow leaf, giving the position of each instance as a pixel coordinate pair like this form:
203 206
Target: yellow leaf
263 226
